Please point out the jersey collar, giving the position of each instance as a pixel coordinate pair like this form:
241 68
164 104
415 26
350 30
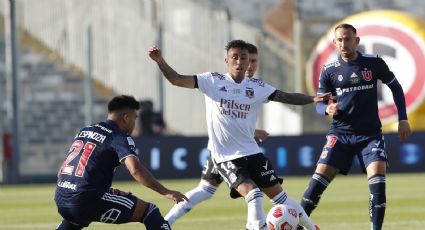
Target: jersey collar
359 56
231 79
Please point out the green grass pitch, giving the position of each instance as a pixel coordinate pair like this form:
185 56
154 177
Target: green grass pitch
343 206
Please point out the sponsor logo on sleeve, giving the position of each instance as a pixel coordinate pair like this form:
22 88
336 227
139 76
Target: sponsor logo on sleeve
131 141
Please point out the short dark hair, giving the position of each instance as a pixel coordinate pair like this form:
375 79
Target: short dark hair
346 26
252 49
236 44
123 102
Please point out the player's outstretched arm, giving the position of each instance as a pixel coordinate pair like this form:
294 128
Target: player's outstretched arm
297 98
143 176
187 81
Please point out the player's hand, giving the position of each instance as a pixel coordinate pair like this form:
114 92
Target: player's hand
261 135
404 130
175 196
323 97
332 109
155 53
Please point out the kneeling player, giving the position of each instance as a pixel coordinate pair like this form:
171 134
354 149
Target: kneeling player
83 193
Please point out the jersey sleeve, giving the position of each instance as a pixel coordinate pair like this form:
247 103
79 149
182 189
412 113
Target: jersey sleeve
124 146
205 82
323 87
386 75
399 100
270 90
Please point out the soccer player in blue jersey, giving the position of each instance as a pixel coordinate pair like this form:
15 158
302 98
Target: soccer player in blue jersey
84 193
356 128
210 178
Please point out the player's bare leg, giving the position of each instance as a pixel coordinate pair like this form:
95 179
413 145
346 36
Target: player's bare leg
278 196
139 210
204 191
376 172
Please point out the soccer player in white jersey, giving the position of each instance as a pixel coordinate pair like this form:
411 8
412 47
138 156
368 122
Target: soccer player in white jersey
233 103
210 178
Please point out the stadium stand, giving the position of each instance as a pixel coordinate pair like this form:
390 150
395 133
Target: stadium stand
51 98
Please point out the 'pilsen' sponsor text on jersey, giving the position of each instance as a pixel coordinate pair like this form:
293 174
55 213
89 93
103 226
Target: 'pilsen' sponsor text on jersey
231 113
88 169
354 84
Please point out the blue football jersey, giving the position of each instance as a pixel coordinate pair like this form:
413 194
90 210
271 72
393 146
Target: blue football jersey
87 172
355 85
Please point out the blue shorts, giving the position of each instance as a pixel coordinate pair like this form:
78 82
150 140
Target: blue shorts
114 207
340 150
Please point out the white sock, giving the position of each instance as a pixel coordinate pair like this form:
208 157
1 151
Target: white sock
283 198
256 215
203 191
248 224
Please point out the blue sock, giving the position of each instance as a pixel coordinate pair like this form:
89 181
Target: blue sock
153 219
377 201
313 193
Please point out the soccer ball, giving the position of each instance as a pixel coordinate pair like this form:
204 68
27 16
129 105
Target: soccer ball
282 217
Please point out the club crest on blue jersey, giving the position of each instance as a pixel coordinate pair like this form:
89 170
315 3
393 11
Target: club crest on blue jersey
367 75
340 77
249 92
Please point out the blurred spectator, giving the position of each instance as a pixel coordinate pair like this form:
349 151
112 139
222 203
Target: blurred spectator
146 117
159 126
150 123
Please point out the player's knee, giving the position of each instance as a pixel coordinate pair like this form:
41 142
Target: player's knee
273 190
246 186
326 171
139 211
211 182
376 168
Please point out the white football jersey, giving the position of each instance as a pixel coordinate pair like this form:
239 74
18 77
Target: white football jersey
232 110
